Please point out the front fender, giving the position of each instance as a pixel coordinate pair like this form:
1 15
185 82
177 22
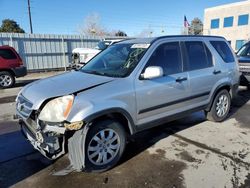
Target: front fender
88 111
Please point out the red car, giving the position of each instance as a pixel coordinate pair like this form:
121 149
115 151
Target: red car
11 66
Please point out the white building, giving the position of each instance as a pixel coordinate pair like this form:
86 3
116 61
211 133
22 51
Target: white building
230 21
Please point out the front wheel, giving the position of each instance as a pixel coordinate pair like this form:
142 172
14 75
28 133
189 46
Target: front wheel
105 144
220 108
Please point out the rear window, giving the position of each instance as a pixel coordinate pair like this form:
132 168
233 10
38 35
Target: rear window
7 54
222 48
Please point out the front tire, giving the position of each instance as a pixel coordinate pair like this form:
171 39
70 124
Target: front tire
7 80
105 144
220 108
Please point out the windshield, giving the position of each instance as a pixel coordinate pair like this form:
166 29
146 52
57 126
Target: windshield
102 45
244 50
118 60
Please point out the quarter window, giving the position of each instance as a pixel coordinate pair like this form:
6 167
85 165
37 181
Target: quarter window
198 56
228 21
215 23
223 50
243 19
167 56
7 54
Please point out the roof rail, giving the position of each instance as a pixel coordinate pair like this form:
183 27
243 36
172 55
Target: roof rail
201 36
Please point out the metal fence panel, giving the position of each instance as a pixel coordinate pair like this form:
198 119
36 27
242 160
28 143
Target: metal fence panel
44 52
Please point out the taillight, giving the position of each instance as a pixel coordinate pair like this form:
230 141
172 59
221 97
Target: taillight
20 62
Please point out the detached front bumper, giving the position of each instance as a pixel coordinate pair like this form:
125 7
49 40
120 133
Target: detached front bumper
49 144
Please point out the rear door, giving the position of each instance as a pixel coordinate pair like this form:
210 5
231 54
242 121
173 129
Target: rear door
202 73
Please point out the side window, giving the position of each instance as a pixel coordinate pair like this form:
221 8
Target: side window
222 48
244 50
167 56
7 54
198 55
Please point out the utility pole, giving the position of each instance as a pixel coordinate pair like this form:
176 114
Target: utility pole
31 29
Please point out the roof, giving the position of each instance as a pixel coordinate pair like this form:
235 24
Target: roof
153 39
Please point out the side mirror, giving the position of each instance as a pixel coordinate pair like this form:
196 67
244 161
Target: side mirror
152 72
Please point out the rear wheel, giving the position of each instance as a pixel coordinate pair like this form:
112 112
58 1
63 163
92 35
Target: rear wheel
105 144
220 108
6 79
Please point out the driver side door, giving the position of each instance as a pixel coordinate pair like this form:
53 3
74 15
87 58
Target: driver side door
160 97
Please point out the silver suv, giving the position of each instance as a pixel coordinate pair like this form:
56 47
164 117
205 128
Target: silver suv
131 86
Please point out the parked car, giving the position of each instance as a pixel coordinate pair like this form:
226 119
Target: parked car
244 64
11 66
80 56
129 87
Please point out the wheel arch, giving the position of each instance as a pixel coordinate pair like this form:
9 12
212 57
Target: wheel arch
226 86
8 70
119 114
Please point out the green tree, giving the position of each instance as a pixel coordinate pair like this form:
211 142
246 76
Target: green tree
196 27
120 34
10 26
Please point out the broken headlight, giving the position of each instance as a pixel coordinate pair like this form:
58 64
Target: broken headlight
57 110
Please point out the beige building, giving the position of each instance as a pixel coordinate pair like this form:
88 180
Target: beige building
231 21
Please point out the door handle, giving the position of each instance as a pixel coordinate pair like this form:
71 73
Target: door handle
216 72
181 79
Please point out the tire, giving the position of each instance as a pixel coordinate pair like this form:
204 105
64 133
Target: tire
7 80
220 108
98 145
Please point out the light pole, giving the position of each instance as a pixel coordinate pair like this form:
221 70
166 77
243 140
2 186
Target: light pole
31 29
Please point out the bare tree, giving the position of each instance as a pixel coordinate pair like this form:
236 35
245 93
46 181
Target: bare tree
92 25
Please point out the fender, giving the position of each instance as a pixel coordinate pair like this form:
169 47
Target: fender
131 124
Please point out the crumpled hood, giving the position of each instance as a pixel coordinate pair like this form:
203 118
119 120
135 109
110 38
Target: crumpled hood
64 84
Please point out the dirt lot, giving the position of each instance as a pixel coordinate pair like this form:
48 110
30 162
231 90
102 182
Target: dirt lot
190 152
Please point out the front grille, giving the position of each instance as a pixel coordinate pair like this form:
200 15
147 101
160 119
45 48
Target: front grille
244 68
23 106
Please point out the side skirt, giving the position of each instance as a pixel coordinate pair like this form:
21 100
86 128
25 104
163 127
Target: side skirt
168 119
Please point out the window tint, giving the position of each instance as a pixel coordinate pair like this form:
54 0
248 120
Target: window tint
198 55
228 21
224 51
7 54
167 56
243 19
215 23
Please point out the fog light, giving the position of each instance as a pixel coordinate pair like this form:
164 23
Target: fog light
74 126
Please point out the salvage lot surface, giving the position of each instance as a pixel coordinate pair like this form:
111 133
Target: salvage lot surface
190 152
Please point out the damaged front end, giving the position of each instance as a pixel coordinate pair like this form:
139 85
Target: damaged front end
49 138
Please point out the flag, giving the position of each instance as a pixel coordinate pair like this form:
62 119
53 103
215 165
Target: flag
186 24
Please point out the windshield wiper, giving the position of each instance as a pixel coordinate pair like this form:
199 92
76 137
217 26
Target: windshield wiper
94 72
100 73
